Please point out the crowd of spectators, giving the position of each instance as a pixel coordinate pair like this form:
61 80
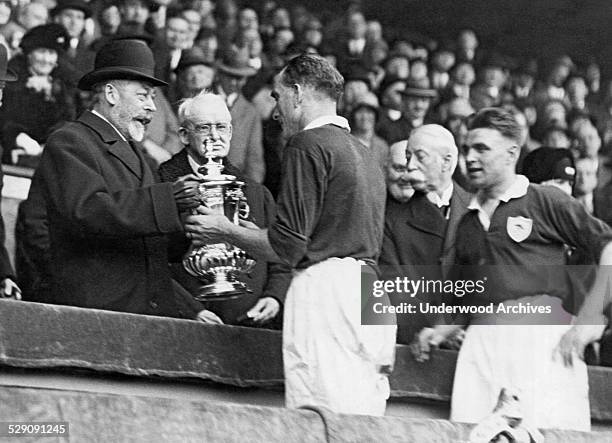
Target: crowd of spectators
391 86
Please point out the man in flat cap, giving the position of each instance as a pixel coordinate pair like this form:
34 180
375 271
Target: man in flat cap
107 214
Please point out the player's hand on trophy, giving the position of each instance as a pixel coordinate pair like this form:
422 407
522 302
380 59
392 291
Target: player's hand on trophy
574 341
206 226
185 190
9 289
264 310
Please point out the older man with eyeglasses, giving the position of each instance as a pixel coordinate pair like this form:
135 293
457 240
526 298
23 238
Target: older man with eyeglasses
206 121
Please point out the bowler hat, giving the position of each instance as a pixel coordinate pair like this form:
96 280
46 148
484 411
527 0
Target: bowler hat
79 5
418 89
122 59
546 163
235 62
50 36
192 57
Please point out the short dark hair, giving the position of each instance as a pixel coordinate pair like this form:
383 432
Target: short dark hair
499 119
316 72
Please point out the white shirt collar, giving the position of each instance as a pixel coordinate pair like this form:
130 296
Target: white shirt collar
328 120
394 114
444 200
517 189
93 111
195 166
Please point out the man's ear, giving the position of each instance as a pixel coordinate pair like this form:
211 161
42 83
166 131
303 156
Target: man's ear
182 133
111 93
298 94
514 152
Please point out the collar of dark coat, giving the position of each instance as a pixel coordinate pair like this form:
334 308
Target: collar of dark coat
424 215
116 145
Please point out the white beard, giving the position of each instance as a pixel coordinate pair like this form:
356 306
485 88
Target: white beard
136 130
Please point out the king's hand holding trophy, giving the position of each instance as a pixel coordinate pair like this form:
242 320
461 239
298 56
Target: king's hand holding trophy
219 265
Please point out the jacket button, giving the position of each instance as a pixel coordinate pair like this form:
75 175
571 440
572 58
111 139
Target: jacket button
153 305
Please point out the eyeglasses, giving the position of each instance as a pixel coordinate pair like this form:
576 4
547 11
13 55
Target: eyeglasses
206 129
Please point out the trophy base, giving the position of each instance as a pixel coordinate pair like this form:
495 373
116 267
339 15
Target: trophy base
222 290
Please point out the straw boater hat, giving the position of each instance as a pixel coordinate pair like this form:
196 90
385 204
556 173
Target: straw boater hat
6 75
235 62
122 59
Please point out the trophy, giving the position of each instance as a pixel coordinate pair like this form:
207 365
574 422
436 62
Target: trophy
218 265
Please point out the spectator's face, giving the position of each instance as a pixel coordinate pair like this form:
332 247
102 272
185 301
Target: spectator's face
556 139
493 76
418 70
554 114
587 141
399 67
177 33
457 126
353 90
134 12
197 78
110 19
194 20
313 37
133 107
209 127
468 41
209 47
444 60
42 61
286 111
364 119
464 74
374 31
281 19
204 7
577 90
231 84
247 19
522 122
282 39
356 26
5 12
586 176
34 14
489 156
255 46
424 163
392 97
398 183
525 80
73 20
416 107
559 74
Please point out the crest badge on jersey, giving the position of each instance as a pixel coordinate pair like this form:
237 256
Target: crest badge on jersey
519 228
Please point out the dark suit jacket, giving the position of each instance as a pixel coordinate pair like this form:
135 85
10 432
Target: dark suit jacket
417 242
266 280
108 219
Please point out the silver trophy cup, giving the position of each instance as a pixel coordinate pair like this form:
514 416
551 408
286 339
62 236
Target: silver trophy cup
219 265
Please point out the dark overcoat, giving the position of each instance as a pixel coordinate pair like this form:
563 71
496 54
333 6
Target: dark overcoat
108 219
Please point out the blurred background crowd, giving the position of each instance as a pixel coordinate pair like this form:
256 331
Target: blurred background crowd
396 79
